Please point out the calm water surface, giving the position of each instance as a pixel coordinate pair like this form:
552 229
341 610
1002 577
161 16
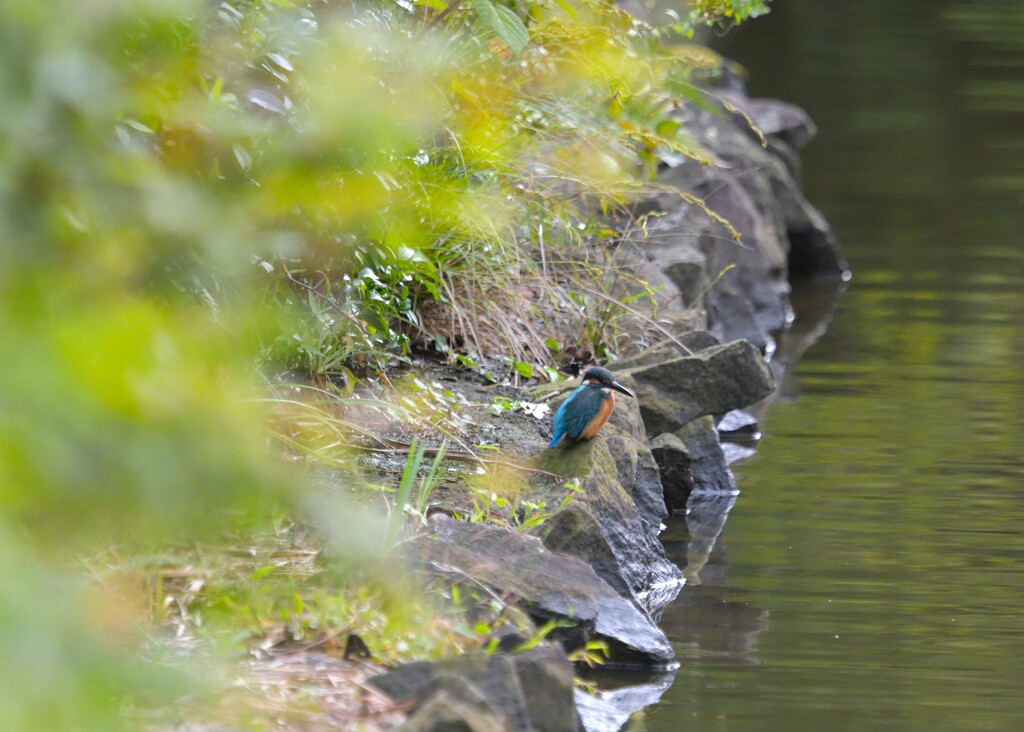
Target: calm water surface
871 573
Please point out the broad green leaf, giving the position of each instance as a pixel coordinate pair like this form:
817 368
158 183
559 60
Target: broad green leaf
504 22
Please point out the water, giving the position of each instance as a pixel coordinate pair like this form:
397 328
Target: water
871 574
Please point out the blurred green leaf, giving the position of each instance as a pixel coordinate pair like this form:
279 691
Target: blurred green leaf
504 22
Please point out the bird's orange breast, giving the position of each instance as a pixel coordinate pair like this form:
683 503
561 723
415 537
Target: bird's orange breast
603 415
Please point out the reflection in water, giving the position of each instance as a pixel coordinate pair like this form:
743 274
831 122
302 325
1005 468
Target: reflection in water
705 518
620 695
709 622
875 555
815 305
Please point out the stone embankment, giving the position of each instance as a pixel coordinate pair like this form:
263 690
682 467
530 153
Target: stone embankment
593 569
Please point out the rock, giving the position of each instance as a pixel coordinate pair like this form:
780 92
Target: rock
532 690
639 477
685 268
691 460
547 585
685 344
459 708
779 120
737 422
813 250
684 321
674 465
512 635
445 712
574 531
547 679
708 470
750 298
647 492
627 416
749 186
675 391
610 534
624 454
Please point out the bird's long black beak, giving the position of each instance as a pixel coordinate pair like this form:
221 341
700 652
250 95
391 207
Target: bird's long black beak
621 389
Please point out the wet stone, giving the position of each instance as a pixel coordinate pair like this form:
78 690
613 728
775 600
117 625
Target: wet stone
547 585
676 391
521 692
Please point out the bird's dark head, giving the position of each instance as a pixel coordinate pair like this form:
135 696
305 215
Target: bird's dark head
603 377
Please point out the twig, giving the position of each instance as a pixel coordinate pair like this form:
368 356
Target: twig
452 7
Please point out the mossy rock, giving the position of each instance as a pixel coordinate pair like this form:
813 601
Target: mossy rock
603 525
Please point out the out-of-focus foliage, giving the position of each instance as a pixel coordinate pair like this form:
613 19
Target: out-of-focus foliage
188 189
714 14
711 12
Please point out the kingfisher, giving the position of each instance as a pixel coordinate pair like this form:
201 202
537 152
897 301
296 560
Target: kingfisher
585 412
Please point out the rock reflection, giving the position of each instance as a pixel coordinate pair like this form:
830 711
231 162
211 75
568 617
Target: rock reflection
705 518
814 304
708 621
617 697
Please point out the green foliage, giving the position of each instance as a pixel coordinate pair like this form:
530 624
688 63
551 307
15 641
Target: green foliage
504 22
406 501
721 13
188 189
593 653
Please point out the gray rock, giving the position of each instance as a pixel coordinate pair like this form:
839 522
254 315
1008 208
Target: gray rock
675 391
624 453
547 585
611 533
547 679
448 712
627 416
639 477
684 321
647 492
751 180
813 250
780 120
686 269
674 465
692 460
575 531
684 344
750 298
532 690
737 422
708 470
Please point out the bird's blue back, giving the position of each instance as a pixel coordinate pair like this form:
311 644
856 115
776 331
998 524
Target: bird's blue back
577 412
